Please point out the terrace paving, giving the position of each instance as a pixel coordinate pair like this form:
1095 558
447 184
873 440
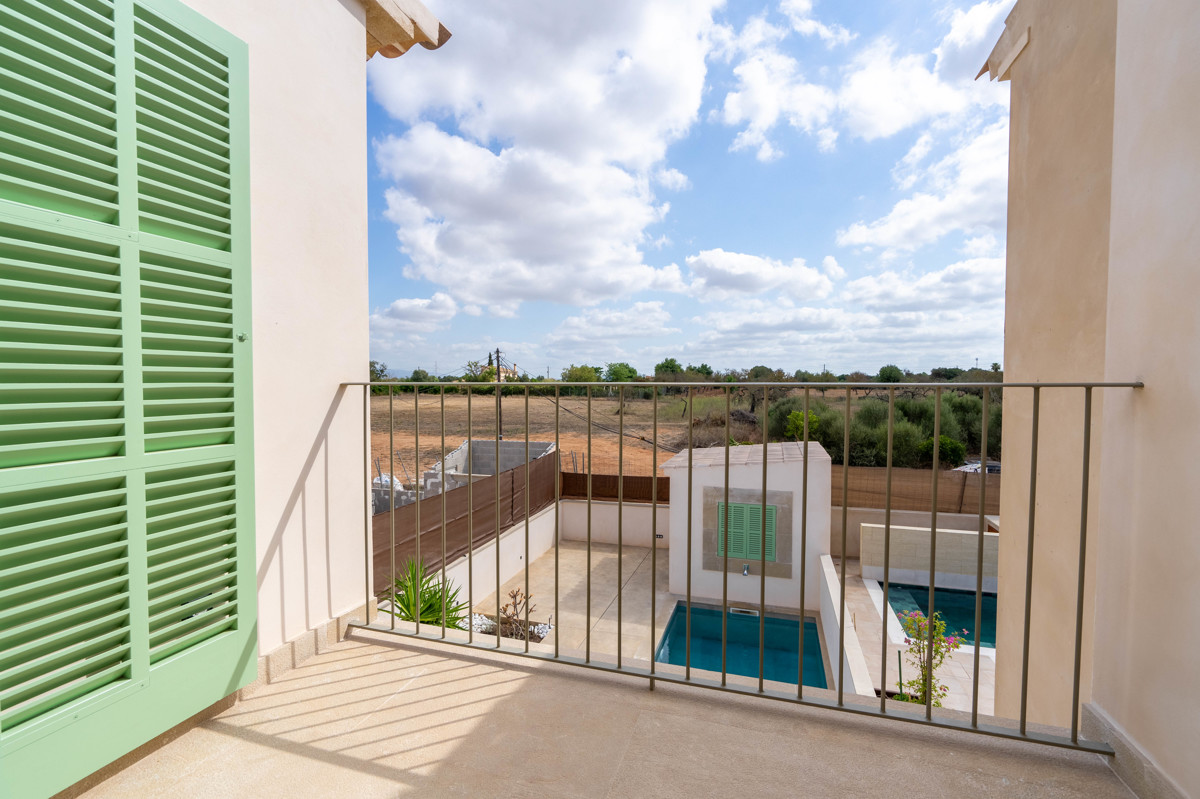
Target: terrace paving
377 717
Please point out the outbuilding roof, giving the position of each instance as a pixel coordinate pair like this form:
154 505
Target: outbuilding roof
393 26
747 454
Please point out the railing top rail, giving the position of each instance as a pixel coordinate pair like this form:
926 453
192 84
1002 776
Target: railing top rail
780 384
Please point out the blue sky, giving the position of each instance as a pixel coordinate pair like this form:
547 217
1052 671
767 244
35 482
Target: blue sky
797 183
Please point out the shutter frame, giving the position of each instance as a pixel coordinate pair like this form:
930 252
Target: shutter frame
180 646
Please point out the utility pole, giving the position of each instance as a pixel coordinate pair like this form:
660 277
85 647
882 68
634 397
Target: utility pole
499 413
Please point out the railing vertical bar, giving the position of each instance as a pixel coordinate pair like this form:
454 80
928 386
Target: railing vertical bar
557 510
392 497
983 460
687 658
653 532
724 542
803 553
1033 455
417 490
527 489
367 509
442 469
762 577
933 514
1083 520
841 657
887 552
496 486
587 636
620 507
470 522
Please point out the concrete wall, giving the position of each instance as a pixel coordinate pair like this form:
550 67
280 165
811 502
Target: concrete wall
1054 329
856 517
308 194
635 523
783 589
482 568
957 557
1148 644
854 665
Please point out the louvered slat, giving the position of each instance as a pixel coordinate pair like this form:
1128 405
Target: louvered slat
60 348
188 334
191 555
65 581
184 145
58 95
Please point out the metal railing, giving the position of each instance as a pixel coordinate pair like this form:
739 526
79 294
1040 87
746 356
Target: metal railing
837 699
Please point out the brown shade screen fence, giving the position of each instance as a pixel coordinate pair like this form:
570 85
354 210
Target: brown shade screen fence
958 492
604 486
912 489
459 537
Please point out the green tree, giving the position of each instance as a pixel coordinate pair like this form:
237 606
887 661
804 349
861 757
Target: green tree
703 370
419 376
890 374
995 367
667 367
760 374
620 373
945 372
581 374
379 371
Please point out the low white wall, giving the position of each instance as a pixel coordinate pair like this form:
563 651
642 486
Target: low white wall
512 556
957 556
856 517
635 522
854 665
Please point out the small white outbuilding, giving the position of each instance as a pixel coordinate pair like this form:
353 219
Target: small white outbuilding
784 501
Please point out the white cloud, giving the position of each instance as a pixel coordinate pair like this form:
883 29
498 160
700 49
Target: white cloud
719 275
603 333
414 315
771 89
832 268
979 281
906 171
672 180
967 191
562 114
799 13
972 35
884 93
498 229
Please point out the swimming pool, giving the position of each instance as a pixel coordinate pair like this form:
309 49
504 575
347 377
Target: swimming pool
781 635
956 607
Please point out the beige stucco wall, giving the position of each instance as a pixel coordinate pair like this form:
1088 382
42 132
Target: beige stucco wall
1056 294
1148 640
308 192
636 527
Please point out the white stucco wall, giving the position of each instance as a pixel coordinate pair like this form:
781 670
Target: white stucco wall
1147 639
635 522
856 677
308 194
781 476
480 573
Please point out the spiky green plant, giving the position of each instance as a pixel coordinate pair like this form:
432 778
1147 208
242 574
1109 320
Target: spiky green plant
420 596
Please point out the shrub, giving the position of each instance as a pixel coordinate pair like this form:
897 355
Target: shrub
420 596
950 452
906 445
795 425
872 413
917 630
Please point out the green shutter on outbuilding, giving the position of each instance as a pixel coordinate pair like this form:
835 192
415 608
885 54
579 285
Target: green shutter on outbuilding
746 531
127 565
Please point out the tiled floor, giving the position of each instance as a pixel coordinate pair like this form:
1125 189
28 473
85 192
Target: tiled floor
574 620
376 718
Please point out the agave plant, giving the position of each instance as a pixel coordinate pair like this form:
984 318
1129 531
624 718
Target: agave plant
420 596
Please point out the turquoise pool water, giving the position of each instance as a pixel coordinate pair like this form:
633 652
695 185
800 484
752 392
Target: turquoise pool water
956 607
782 638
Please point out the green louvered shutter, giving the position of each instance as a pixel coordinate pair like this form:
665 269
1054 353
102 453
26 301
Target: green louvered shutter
127 578
745 531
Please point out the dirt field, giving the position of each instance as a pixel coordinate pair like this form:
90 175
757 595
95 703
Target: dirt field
572 428
708 414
